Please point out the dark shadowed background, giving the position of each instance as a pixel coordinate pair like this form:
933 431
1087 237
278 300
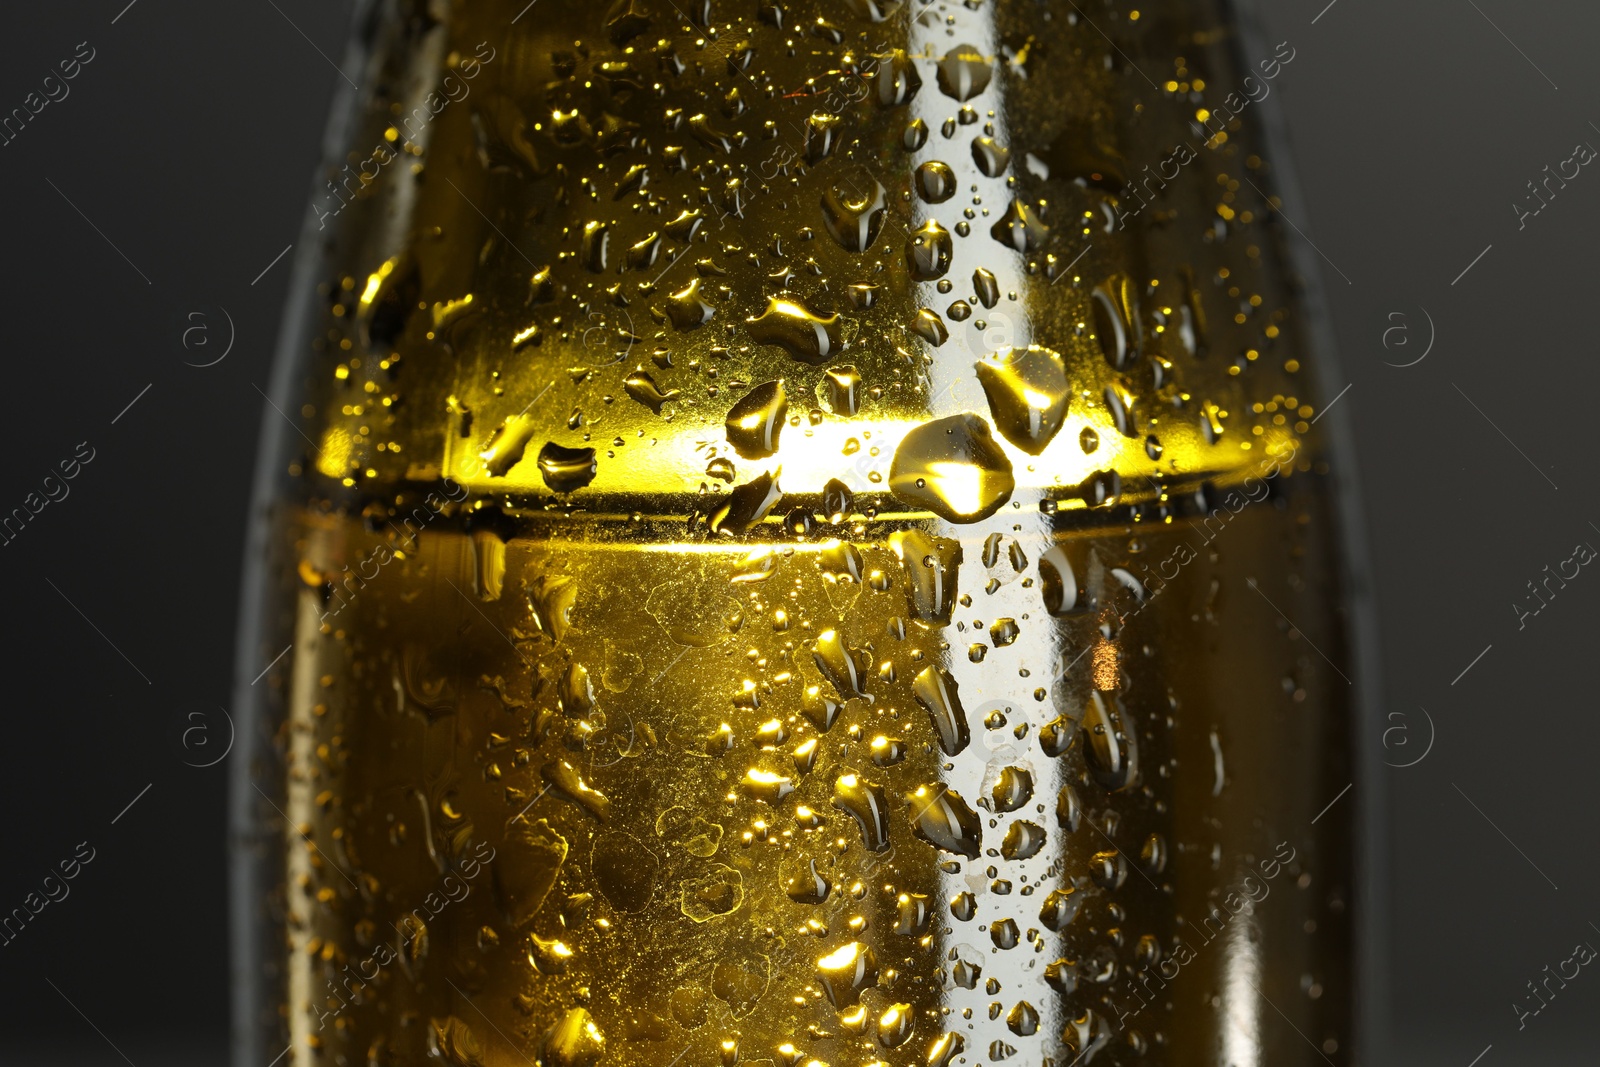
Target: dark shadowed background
145 215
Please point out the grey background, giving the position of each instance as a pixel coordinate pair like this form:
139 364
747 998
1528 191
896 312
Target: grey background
181 164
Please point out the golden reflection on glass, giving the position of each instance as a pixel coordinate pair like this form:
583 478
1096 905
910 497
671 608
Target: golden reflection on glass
775 771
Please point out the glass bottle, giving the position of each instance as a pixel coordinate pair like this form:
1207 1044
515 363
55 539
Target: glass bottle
780 524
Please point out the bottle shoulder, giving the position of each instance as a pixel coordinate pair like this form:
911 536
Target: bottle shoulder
598 266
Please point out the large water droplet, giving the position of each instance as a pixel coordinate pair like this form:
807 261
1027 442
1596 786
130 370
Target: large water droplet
1013 788
952 467
1057 735
1119 405
551 597
964 72
1004 934
1153 855
841 390
566 470
844 667
854 221
928 251
713 138
756 421
576 693
821 711
806 885
931 564
821 136
746 506
548 957
567 782
1023 840
1069 812
845 972
991 157
863 801
643 388
1110 747
944 1050
944 820
685 224
686 309
388 301
507 444
1062 976
935 182
912 915
930 327
1028 393
1020 229
837 500
1085 1036
806 336
1101 489
886 751
986 286
840 561
765 785
936 691
1116 318
898 80
1023 1019
1060 583
895 1025
596 246
1059 908
643 254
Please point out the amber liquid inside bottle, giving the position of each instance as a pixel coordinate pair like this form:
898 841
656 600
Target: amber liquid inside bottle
792 557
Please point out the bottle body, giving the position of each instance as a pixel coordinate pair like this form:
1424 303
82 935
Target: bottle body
774 570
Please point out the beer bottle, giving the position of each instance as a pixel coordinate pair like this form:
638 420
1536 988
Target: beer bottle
795 536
